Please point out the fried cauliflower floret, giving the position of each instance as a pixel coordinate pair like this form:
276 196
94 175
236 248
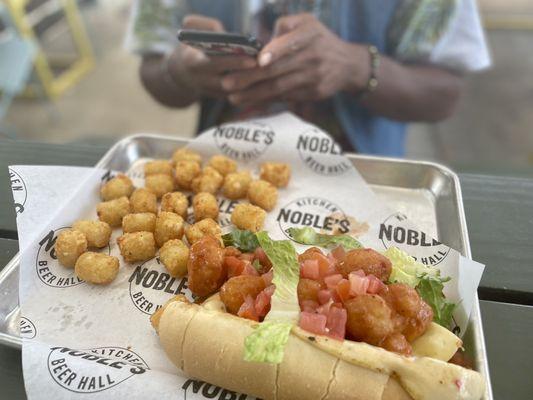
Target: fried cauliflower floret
138 222
208 181
174 255
368 260
205 268
202 228
185 154
137 246
143 200
224 165
277 174
175 202
159 184
185 172
205 205
158 167
113 211
97 268
168 226
70 244
117 187
263 194
236 185
97 233
248 217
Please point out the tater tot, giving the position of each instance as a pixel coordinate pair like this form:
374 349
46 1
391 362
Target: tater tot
117 187
224 165
158 167
204 227
70 244
236 185
168 226
208 181
185 172
138 222
175 202
97 268
174 255
185 154
276 173
142 200
159 184
204 205
137 246
248 217
263 194
97 233
113 211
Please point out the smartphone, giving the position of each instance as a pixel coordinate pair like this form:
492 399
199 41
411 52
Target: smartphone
216 43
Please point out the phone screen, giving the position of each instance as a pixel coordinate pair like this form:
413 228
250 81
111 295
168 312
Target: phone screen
220 43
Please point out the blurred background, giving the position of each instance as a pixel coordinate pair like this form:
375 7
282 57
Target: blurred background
90 92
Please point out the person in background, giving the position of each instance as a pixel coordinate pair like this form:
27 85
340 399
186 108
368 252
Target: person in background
358 69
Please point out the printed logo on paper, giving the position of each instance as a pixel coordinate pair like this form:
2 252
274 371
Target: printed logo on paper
48 268
320 214
27 328
244 141
20 192
395 231
321 154
208 391
150 286
93 370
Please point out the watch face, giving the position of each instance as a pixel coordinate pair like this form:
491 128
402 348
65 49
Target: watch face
223 48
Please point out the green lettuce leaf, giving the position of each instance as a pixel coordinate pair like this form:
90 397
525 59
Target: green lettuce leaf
245 241
405 269
430 290
309 236
267 342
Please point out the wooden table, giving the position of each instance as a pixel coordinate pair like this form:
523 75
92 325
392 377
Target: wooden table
499 214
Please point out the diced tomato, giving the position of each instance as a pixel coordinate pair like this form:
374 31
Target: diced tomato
358 284
324 308
375 285
325 265
247 309
336 323
309 306
332 280
324 296
343 289
314 323
309 270
262 301
358 272
268 277
249 269
247 257
339 253
260 254
234 266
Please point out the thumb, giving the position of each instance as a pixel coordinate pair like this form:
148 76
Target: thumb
202 23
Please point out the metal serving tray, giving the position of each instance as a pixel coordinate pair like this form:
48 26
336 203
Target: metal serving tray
428 193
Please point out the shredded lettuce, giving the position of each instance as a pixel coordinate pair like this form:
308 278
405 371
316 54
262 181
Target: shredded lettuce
430 290
309 236
405 269
243 240
267 342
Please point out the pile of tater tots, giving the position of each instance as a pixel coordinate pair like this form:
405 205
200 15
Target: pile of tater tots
148 226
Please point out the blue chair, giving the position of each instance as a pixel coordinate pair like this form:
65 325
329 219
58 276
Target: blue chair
16 62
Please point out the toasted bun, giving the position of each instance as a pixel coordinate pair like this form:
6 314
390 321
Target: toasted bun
208 344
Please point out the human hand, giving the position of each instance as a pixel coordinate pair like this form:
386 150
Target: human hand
202 72
304 61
